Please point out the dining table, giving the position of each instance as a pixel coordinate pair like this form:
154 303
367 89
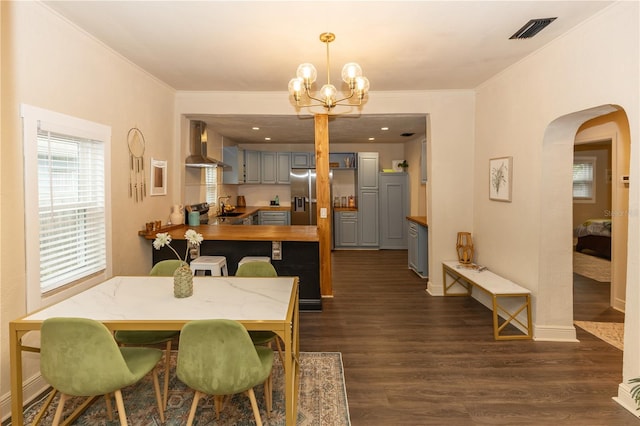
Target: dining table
148 303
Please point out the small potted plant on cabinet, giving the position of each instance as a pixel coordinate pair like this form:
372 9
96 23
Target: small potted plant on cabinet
404 165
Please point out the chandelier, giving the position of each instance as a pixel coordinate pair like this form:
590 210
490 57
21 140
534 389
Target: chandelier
300 86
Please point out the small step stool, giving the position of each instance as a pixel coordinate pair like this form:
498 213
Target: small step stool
217 265
254 259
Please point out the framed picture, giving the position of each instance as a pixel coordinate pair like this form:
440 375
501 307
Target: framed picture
500 174
158 177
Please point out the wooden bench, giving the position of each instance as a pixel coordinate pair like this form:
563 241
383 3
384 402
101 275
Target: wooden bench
500 290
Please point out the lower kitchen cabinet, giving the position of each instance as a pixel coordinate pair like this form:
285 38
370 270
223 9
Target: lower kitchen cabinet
345 229
418 250
274 218
368 223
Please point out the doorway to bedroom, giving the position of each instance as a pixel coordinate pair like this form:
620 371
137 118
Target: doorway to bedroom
600 203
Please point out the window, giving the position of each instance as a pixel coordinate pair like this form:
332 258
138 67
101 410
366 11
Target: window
584 189
67 212
211 185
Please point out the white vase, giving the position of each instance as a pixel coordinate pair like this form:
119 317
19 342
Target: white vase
177 215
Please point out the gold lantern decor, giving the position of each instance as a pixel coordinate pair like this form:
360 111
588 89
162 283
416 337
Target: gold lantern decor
464 247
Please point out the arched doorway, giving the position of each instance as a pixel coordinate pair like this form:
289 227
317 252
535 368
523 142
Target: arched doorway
555 266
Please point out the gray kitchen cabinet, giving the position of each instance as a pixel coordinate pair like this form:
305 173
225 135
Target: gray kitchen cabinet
368 223
275 167
300 160
394 208
368 169
345 229
266 217
252 166
234 157
418 249
368 210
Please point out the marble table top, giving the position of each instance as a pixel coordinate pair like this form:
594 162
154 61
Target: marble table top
147 298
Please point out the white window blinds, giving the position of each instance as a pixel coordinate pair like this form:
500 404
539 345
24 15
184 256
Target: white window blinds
211 185
583 178
71 208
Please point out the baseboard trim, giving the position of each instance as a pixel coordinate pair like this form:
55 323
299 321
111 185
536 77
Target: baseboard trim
31 389
545 333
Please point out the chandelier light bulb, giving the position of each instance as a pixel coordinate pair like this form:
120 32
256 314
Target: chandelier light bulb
350 71
296 87
308 73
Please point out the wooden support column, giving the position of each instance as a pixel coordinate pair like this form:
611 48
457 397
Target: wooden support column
323 196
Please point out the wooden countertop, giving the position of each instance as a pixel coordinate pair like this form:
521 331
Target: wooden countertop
245 232
345 209
420 220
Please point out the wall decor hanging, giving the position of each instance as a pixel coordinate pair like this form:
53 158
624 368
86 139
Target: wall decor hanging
137 179
500 174
158 177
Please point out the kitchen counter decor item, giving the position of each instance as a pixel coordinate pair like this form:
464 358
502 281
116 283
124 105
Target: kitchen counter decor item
137 179
183 276
177 214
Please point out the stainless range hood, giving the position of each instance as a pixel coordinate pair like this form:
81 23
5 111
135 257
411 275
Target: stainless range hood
198 144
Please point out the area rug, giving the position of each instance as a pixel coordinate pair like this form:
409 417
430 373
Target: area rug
322 400
610 332
593 267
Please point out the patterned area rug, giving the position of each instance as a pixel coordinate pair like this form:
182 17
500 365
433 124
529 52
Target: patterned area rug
610 332
593 267
322 400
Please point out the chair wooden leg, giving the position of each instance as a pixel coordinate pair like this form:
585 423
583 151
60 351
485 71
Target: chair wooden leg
120 404
59 409
46 404
167 369
107 398
268 394
254 406
156 386
194 407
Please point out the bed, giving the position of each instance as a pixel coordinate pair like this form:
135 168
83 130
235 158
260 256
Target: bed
594 235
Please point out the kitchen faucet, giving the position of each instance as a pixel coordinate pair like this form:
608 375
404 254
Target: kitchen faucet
221 203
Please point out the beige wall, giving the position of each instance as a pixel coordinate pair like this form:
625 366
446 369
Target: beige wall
48 63
532 112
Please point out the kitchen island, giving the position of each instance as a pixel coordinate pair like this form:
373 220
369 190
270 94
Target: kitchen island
299 249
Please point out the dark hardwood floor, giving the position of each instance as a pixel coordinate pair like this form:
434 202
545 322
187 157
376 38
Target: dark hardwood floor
413 359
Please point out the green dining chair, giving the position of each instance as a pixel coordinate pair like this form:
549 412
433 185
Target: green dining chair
78 357
217 357
261 269
164 268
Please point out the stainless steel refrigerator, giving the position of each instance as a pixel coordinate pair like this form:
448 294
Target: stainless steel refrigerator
303 197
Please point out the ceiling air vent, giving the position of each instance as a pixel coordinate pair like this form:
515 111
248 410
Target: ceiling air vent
532 28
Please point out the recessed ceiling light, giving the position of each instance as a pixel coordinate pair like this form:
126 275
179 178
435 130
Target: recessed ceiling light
384 128
255 128
267 139
372 139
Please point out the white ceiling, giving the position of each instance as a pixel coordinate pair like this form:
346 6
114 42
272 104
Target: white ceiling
257 46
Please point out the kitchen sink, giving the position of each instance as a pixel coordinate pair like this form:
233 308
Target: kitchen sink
231 214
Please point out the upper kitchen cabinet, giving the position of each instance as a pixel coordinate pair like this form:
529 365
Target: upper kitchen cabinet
234 157
300 160
368 171
276 167
252 167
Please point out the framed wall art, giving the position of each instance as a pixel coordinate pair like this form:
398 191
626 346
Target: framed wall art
158 177
500 175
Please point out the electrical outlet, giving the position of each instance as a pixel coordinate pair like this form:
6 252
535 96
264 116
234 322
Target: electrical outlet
323 212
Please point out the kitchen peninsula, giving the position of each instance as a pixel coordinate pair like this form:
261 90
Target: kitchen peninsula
299 248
